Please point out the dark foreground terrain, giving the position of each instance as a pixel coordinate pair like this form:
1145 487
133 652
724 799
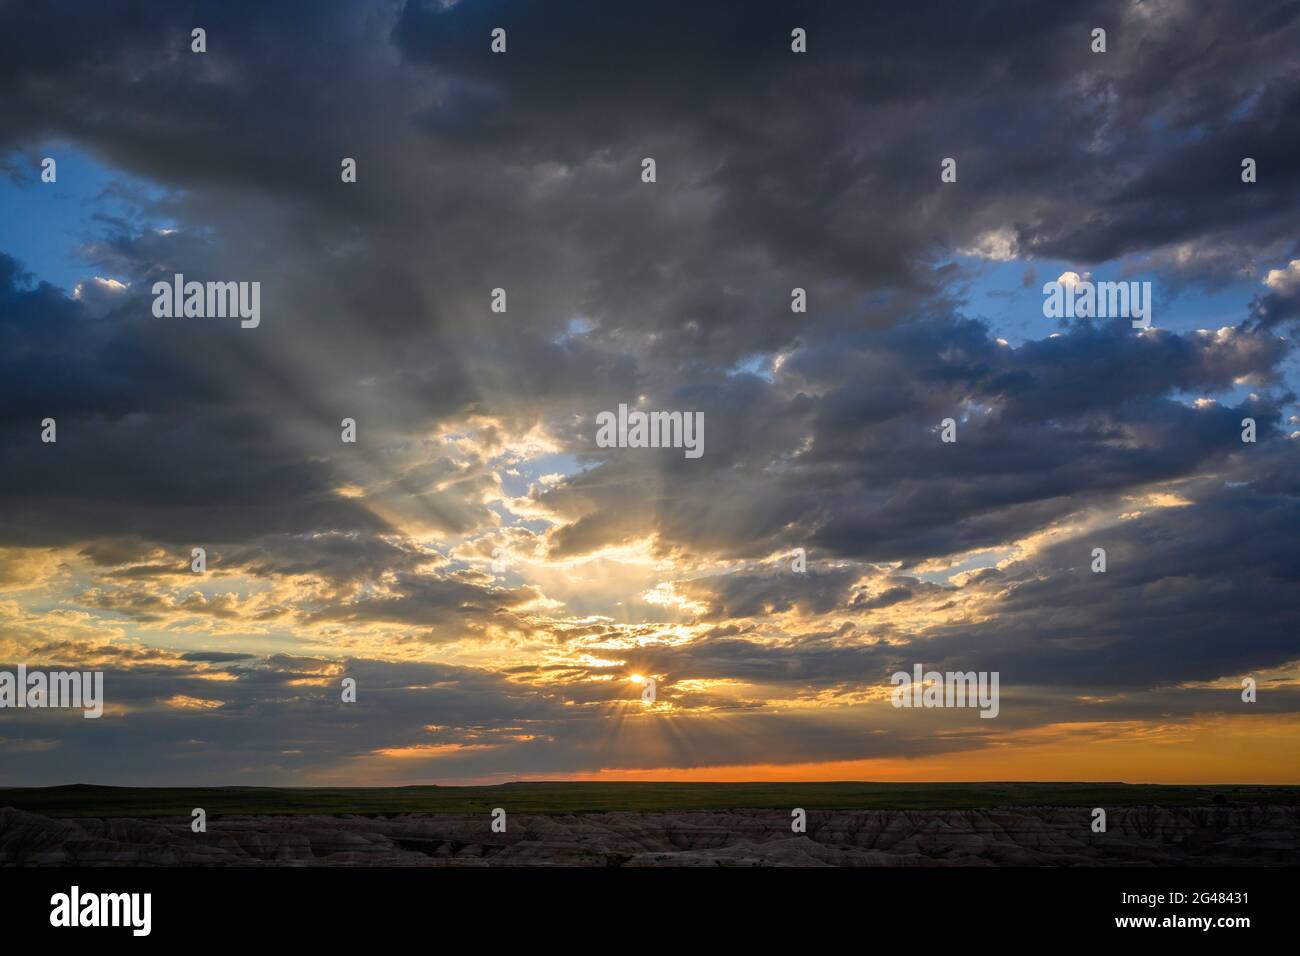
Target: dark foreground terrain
654 825
1056 836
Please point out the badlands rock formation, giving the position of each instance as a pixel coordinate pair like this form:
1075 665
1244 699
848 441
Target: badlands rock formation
1050 836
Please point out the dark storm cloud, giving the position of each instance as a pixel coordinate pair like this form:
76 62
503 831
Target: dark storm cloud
146 446
1190 593
780 140
840 453
778 170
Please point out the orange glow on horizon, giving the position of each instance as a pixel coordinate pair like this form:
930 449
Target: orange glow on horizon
1227 750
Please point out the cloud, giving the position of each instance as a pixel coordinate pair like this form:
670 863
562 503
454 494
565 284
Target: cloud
476 428
1284 281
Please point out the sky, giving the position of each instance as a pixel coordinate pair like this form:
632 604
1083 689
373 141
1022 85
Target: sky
499 585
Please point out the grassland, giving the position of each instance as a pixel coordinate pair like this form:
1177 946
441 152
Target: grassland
95 801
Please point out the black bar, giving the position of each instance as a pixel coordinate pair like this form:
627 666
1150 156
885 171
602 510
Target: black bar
444 905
